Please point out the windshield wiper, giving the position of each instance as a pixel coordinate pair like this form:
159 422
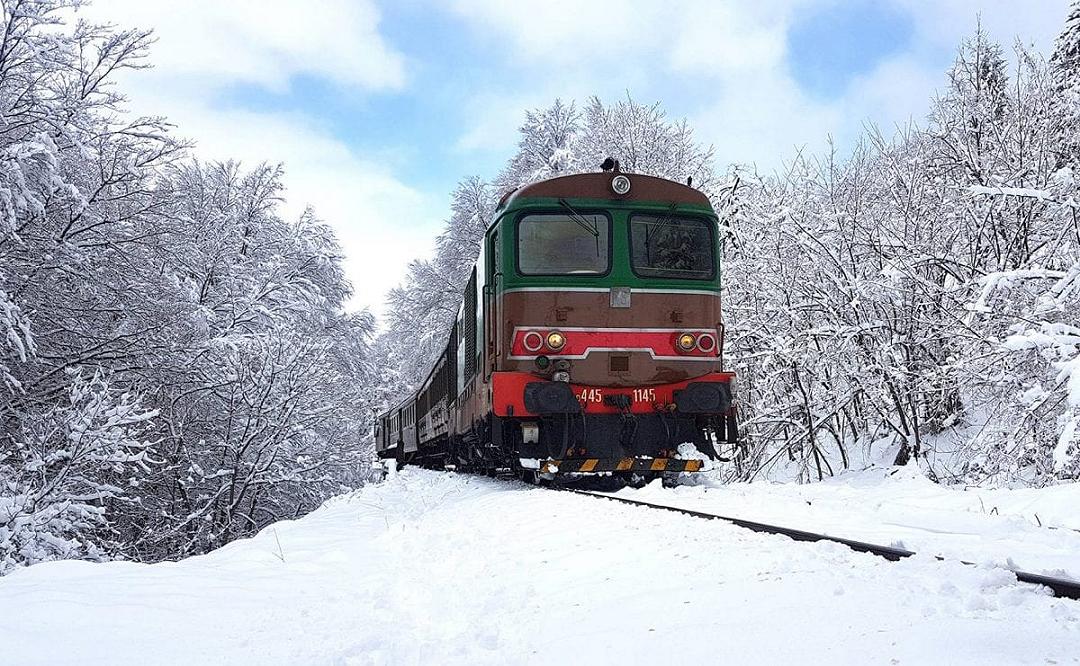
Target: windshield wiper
582 222
664 221
579 218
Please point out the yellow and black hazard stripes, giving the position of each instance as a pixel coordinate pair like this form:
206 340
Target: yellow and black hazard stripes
596 465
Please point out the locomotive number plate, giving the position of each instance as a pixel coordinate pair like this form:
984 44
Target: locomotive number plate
588 395
596 396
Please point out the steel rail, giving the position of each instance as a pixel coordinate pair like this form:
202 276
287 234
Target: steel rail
1061 587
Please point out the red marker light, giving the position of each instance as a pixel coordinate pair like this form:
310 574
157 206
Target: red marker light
706 342
533 341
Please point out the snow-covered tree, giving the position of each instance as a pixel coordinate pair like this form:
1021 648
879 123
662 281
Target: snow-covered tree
644 141
422 310
1065 68
546 146
176 366
73 466
913 298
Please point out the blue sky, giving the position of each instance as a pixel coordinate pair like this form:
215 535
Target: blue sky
377 108
830 45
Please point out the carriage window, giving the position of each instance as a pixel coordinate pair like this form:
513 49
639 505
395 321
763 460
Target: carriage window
672 247
563 244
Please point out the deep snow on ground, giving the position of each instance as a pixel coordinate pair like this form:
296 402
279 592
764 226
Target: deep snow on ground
440 568
1032 529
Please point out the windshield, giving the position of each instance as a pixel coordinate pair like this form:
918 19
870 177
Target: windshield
672 247
563 244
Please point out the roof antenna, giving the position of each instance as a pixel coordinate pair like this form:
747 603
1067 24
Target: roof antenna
609 164
689 181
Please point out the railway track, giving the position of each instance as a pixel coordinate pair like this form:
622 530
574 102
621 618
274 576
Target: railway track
1061 587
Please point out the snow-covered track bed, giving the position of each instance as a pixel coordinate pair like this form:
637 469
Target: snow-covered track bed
436 568
1061 587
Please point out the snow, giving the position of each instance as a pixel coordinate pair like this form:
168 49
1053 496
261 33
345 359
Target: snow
1030 192
688 451
449 569
1033 529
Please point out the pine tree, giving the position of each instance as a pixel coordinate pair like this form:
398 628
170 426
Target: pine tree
974 104
1065 69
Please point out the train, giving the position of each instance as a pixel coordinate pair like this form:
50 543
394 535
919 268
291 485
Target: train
589 340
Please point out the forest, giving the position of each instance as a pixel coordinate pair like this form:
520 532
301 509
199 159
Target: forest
178 366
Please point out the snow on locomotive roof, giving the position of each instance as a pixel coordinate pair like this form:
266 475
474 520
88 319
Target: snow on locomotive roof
599 186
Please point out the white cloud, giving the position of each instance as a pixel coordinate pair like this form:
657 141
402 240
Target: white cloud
942 23
762 120
726 39
494 119
262 42
204 47
742 96
563 31
734 51
494 116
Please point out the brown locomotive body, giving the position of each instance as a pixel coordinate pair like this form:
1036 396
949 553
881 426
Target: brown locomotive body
589 339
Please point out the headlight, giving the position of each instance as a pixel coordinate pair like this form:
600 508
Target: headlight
556 340
686 342
620 185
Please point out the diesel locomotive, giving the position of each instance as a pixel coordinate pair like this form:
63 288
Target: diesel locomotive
589 339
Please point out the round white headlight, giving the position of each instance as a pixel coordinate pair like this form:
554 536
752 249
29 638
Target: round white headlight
620 185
